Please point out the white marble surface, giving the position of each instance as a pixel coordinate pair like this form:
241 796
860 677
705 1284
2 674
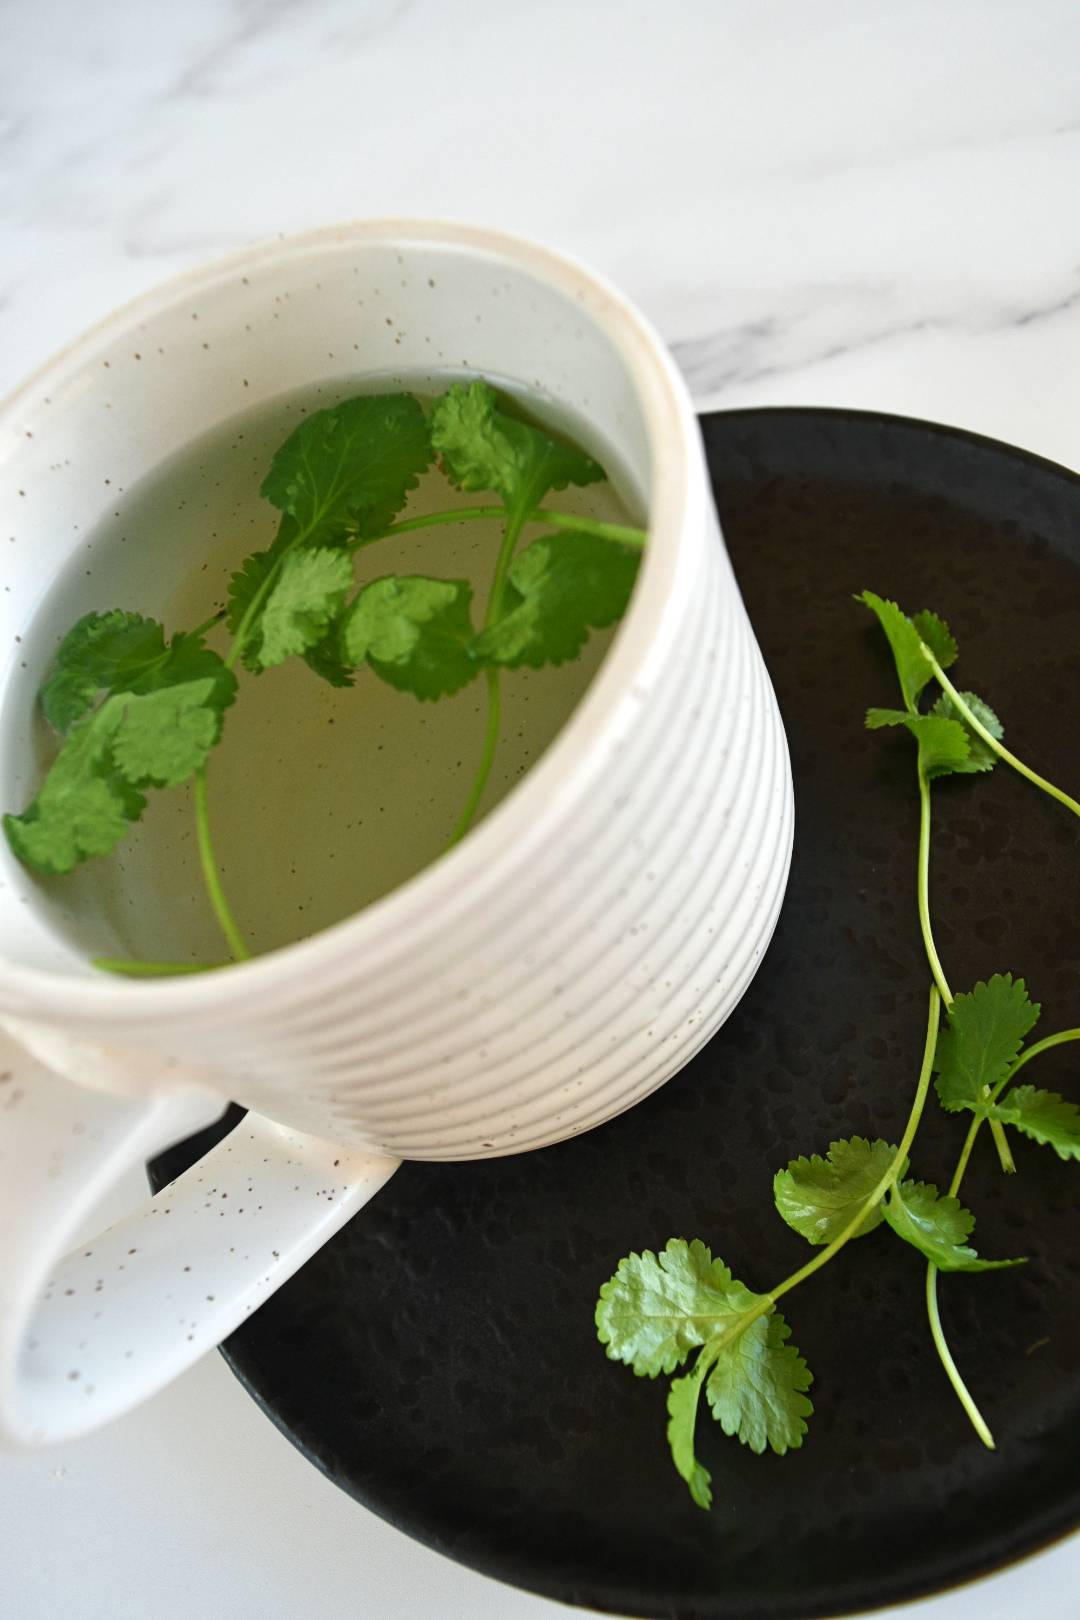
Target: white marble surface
844 202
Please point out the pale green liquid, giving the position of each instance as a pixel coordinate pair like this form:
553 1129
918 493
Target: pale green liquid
321 800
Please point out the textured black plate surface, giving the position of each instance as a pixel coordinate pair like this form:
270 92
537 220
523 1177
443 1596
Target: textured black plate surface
438 1359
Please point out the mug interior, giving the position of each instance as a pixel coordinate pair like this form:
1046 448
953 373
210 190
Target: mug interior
376 305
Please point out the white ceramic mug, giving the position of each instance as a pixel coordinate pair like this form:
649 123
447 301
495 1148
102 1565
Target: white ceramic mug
565 959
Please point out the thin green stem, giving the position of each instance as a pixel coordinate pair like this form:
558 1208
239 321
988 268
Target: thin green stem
624 533
895 1168
924 892
204 629
430 520
952 1372
992 742
518 518
152 970
487 758
211 876
1008 1163
515 523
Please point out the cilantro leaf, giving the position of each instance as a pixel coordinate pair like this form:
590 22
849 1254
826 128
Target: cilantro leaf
944 744
252 580
1043 1115
938 637
350 467
124 652
164 736
161 715
911 665
878 718
558 589
659 1307
982 1040
937 1226
484 446
819 1197
682 1405
980 756
84 805
757 1387
416 633
96 653
326 659
308 592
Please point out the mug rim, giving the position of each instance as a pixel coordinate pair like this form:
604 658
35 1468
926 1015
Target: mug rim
677 508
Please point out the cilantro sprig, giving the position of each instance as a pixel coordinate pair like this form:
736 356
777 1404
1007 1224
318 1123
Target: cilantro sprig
659 1310
135 711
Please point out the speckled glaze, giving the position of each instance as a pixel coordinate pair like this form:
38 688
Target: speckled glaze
557 966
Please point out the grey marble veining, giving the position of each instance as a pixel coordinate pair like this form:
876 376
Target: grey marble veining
838 202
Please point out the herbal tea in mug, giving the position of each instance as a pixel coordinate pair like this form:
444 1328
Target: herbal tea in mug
447 548
267 677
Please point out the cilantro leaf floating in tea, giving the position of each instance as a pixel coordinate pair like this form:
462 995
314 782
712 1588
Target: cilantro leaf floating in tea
485 447
347 470
93 789
415 633
304 599
137 711
341 477
124 652
162 712
558 589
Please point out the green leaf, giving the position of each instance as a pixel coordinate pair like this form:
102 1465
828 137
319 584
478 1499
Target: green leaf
982 1040
1042 1115
84 805
980 756
682 1405
164 736
252 580
943 743
911 665
350 467
757 1387
308 592
124 652
486 447
937 1226
877 718
416 633
657 1308
96 654
818 1198
327 661
558 589
156 730
938 637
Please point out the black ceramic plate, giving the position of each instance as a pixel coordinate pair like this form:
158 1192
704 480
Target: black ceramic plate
438 1358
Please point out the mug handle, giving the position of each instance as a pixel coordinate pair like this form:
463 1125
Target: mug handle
88 1334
